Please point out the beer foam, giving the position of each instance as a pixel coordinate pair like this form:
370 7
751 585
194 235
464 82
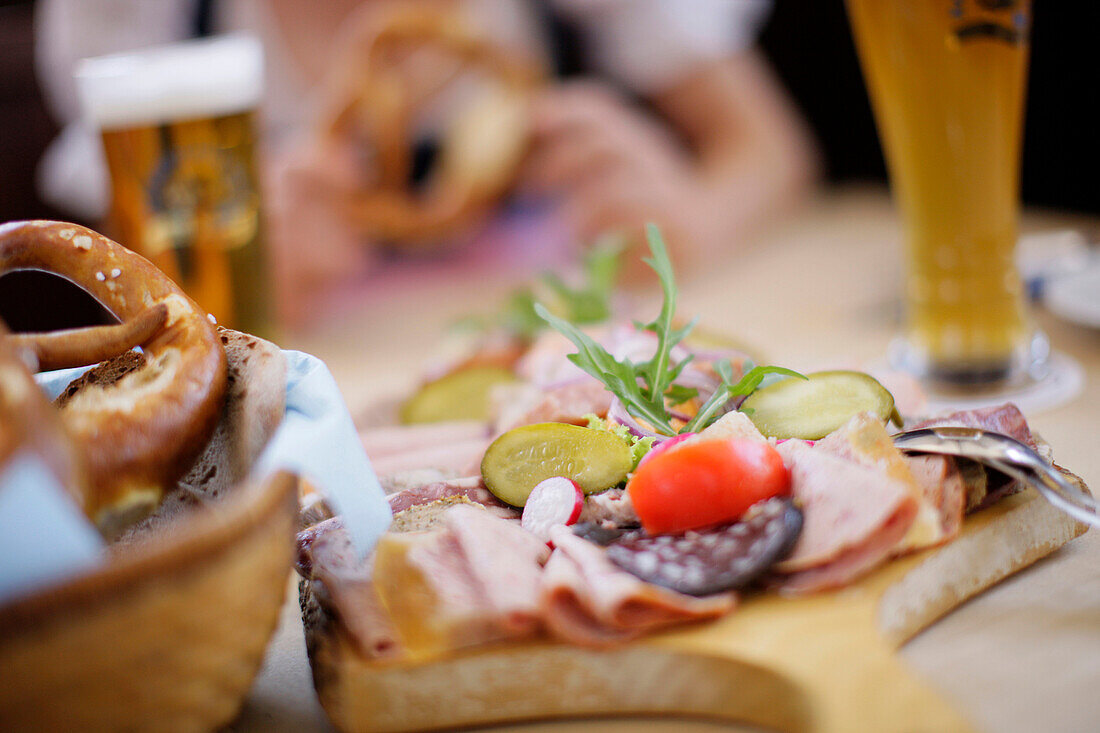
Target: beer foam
180 81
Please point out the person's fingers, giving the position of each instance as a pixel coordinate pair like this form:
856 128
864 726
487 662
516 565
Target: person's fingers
610 202
568 108
568 160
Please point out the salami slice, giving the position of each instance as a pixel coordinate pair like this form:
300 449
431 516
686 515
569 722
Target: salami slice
709 561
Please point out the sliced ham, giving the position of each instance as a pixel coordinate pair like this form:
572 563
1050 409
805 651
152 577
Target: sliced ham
429 589
472 581
587 600
505 561
855 561
853 517
395 439
471 487
461 457
567 403
864 439
547 360
342 585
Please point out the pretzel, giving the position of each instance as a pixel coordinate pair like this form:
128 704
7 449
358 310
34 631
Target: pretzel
28 422
482 146
75 347
138 433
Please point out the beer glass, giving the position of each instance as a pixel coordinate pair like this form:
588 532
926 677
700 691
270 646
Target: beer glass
946 80
178 130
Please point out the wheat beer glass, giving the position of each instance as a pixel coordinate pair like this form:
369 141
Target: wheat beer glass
946 80
177 124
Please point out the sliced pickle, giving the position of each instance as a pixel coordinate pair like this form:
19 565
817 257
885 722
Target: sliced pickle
460 395
814 407
521 458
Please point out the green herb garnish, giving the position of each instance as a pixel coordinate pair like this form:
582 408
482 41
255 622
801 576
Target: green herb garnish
647 387
588 303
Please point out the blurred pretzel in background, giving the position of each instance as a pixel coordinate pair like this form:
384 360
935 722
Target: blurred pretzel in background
685 125
405 61
405 70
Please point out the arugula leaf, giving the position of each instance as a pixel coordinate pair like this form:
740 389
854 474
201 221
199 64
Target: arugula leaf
589 303
727 391
620 377
645 388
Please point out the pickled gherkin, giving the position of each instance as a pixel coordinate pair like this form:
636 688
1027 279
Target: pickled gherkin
814 407
522 457
460 395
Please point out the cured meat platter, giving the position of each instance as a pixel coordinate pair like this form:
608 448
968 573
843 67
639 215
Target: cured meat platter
826 662
672 531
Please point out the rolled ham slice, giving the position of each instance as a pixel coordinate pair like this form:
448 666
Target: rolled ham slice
395 439
587 600
853 518
864 439
458 458
343 586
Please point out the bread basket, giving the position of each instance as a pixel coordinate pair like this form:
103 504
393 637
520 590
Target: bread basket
170 631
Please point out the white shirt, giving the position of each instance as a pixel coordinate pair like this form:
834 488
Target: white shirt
644 45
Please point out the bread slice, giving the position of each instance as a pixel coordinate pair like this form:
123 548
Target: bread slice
254 406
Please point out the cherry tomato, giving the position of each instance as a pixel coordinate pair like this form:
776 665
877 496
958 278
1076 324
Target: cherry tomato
705 483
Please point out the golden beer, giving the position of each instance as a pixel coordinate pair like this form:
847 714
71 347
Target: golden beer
178 132
946 80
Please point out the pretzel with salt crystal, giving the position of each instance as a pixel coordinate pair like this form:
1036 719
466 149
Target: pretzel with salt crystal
138 433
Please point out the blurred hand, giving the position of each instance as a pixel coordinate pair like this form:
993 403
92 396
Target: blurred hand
313 247
614 168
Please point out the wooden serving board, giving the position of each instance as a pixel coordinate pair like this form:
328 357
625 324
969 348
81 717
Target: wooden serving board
825 663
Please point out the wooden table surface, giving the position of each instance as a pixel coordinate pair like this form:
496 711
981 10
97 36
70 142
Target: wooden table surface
818 287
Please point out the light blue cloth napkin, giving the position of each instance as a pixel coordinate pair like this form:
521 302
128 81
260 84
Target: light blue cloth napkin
45 539
317 439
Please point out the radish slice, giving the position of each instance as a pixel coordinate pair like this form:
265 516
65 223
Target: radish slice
553 501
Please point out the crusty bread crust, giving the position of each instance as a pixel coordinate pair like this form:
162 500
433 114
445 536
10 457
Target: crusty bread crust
254 405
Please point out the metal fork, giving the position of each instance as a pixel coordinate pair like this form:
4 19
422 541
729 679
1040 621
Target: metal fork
1009 456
